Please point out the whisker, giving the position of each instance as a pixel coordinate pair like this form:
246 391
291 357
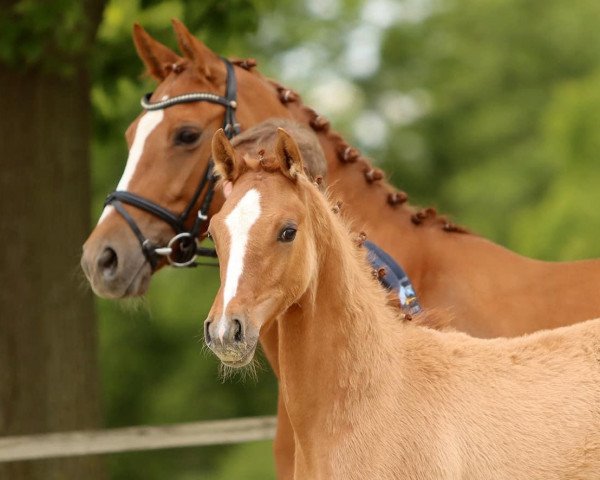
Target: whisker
247 373
206 351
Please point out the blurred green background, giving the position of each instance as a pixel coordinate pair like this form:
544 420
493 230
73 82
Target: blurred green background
487 109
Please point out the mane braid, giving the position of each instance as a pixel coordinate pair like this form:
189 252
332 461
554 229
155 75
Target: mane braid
245 63
349 154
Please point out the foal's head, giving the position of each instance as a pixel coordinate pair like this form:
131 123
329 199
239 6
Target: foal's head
264 237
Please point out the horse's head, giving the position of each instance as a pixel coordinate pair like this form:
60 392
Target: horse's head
165 188
265 242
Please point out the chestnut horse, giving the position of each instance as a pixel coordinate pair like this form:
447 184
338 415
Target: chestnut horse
492 291
370 396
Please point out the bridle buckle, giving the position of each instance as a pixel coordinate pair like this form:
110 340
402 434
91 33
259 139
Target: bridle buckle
180 251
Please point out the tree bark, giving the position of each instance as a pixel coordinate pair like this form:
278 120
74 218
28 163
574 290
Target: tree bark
49 377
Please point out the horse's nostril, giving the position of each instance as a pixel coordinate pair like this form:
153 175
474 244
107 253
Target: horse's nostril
238 335
108 262
207 337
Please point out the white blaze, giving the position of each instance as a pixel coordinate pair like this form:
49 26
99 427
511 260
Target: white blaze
239 221
146 125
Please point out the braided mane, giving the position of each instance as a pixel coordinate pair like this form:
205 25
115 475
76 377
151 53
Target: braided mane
349 154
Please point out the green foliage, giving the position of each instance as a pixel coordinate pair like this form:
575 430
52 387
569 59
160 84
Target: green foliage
53 36
563 222
250 460
491 69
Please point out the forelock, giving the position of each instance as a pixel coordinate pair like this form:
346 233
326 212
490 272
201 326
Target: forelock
260 140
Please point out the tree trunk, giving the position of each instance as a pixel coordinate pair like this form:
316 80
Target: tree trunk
49 378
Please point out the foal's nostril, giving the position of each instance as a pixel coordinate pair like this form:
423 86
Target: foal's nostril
207 337
238 335
108 262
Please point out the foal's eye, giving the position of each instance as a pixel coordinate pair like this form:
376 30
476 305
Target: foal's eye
287 234
187 136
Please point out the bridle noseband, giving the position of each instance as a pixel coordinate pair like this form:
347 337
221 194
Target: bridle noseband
183 249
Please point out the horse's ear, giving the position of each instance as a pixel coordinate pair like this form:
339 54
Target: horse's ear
156 56
202 56
288 154
226 163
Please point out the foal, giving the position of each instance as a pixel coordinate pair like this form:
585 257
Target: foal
368 395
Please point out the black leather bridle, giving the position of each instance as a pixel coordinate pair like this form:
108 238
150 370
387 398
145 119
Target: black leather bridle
183 249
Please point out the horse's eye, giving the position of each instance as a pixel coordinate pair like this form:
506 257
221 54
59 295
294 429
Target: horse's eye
287 234
187 136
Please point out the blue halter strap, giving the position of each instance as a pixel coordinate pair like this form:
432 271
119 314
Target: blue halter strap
395 278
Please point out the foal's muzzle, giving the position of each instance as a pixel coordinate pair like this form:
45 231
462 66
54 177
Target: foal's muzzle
230 340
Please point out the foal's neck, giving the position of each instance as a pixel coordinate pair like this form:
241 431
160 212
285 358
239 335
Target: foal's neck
335 343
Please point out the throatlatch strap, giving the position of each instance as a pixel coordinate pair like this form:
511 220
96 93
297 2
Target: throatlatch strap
231 127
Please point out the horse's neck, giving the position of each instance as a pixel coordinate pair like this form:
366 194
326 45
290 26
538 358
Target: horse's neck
444 264
334 346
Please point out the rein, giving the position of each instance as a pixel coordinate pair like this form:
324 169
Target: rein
183 249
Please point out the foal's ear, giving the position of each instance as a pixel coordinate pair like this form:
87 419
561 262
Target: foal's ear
288 154
202 56
227 166
156 56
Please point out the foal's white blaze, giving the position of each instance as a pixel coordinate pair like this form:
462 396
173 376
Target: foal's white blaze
239 221
146 125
